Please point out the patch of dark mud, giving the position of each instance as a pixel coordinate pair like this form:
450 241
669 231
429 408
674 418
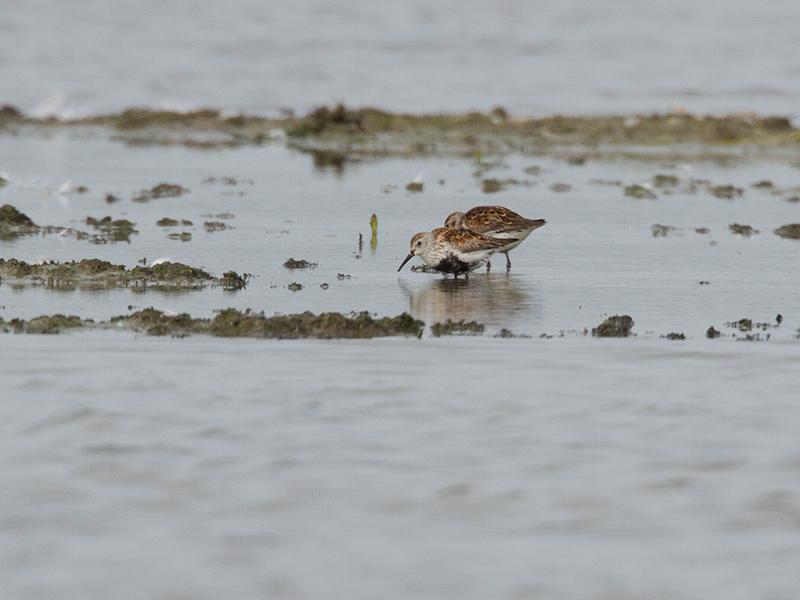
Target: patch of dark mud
460 327
183 236
46 324
659 230
743 230
94 273
415 187
640 192
616 326
294 263
702 230
119 230
726 192
162 190
790 231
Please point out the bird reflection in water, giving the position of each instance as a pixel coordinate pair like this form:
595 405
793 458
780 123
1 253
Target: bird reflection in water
494 299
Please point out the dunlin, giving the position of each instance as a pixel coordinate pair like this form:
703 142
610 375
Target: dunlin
496 222
453 249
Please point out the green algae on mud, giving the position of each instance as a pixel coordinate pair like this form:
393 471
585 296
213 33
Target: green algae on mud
234 323
99 274
46 324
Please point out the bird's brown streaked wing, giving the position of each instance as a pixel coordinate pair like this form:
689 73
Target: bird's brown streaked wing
469 241
499 219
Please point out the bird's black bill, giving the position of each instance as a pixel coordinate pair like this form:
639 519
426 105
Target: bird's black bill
408 258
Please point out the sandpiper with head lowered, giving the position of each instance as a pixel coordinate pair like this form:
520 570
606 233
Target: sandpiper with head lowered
496 222
453 249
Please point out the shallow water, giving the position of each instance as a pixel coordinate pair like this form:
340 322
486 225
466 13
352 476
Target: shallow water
545 57
395 468
470 467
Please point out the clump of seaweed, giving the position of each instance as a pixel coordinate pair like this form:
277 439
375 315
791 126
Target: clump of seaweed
93 273
640 192
659 230
167 222
45 324
674 336
790 231
712 333
743 230
14 223
232 281
415 186
183 236
460 327
295 287
119 230
162 190
616 326
665 181
726 192
293 263
212 226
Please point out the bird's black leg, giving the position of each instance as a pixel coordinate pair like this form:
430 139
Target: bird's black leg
508 262
488 266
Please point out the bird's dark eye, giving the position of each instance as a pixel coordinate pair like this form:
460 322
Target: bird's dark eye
419 243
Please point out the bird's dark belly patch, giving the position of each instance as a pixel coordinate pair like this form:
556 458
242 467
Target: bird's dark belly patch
452 264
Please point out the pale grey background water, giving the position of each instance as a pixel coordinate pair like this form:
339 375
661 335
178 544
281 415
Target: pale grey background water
567 468
534 57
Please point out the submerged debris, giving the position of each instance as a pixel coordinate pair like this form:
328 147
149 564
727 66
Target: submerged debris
560 188
616 326
293 263
745 230
93 273
640 192
790 231
162 190
461 327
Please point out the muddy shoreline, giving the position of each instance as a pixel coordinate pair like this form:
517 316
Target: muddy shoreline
338 134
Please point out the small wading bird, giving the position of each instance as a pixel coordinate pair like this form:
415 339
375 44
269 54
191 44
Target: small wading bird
496 222
453 250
